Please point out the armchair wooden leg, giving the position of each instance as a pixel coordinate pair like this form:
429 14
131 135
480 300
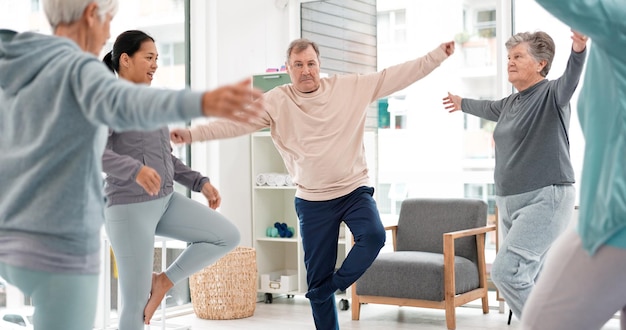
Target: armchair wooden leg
450 315
485 301
356 305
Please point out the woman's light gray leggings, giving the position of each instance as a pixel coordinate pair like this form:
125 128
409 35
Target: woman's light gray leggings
61 301
530 222
131 229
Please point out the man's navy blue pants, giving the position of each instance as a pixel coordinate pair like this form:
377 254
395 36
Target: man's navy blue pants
319 228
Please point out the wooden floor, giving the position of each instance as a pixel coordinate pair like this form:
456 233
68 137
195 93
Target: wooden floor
295 314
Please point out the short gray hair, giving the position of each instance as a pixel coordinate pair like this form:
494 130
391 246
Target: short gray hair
299 45
68 11
540 47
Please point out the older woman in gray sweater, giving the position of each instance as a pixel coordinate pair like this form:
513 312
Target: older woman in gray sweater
56 102
533 172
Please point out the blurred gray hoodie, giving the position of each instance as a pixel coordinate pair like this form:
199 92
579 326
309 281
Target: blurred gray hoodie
56 102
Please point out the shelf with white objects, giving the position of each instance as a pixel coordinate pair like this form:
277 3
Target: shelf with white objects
272 204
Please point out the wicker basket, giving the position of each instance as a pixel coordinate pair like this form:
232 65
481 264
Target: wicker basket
227 289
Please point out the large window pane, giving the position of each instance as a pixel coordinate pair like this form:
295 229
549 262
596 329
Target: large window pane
434 153
424 151
423 148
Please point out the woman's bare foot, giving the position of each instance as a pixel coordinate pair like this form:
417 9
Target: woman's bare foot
160 285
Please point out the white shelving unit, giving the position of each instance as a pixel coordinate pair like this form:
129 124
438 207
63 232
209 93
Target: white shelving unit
271 204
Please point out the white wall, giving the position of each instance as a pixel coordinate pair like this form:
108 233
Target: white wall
244 39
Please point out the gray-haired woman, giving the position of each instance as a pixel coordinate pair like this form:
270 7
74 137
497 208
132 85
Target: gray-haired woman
533 172
56 101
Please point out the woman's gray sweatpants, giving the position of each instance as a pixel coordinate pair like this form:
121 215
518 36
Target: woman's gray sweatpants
131 229
530 222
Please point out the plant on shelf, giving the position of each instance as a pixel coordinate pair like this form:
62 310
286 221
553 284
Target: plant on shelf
462 37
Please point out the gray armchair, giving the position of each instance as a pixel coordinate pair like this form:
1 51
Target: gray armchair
438 259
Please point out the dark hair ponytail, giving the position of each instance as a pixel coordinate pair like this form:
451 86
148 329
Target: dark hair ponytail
108 60
128 42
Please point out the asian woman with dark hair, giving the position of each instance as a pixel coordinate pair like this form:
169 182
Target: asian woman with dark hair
140 173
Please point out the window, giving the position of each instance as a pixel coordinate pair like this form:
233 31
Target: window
172 54
431 152
392 27
486 23
438 154
34 5
478 35
486 192
392 112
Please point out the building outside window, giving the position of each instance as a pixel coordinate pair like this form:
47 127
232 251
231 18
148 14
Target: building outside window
486 23
392 27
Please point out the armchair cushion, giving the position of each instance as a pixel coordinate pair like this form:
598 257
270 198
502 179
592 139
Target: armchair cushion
397 275
422 222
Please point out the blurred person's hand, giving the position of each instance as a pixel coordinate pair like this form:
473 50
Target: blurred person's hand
239 102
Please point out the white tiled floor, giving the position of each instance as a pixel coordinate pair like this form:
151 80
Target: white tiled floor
295 314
